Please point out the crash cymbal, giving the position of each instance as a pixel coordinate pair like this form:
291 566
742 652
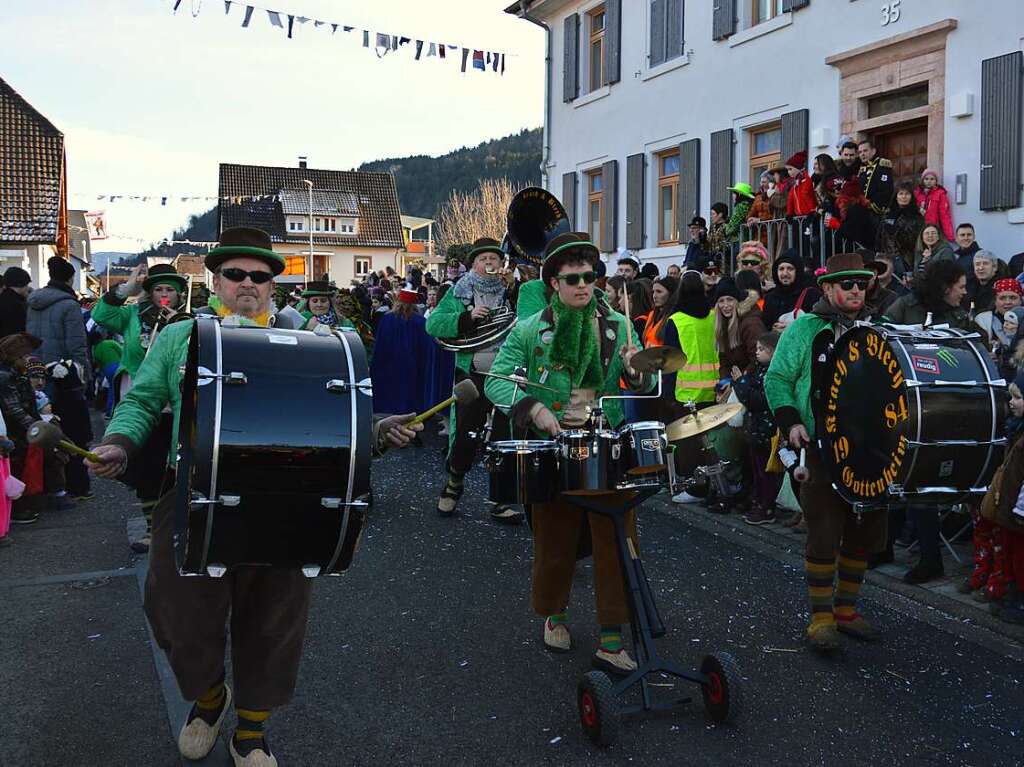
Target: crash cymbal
518 380
666 359
703 420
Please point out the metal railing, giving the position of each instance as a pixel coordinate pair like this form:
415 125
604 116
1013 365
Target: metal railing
813 240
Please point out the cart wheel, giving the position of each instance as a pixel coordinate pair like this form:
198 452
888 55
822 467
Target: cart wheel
723 692
599 710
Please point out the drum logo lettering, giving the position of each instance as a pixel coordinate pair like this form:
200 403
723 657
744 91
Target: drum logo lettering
874 355
650 445
926 365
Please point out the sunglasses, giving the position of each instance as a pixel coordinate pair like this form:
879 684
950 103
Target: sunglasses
711 270
258 277
861 285
750 261
574 279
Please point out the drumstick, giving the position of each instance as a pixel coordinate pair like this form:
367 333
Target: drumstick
47 436
629 319
464 392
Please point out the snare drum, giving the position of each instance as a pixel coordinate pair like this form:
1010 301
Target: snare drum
589 462
643 447
522 470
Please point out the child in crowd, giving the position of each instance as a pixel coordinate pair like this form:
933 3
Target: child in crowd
998 576
6 446
54 478
933 202
18 406
749 388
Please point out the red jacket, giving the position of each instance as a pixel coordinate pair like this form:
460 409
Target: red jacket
934 206
801 200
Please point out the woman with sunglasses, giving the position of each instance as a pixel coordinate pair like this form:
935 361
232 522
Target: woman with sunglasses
580 349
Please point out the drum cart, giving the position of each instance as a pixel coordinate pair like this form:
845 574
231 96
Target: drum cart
598 697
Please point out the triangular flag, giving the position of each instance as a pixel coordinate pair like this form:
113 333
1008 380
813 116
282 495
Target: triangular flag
163 201
494 60
503 65
176 4
347 29
275 18
366 38
318 24
334 28
404 41
291 24
248 15
465 56
227 7
302 19
478 60
441 50
432 50
419 49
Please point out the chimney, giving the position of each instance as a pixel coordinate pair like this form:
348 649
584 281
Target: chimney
302 161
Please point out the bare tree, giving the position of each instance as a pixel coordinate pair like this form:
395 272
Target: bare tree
467 216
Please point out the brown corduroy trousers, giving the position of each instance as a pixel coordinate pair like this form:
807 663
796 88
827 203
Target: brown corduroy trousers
557 527
267 608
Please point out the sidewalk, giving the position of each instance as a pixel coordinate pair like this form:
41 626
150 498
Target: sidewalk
940 594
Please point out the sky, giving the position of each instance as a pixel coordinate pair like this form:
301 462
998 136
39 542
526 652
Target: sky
151 101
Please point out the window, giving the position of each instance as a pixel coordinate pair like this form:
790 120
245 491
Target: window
362 267
765 150
666 31
898 101
330 225
595 199
668 192
595 20
294 265
765 10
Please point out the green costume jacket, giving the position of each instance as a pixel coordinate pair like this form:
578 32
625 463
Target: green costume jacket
529 345
531 299
451 319
112 313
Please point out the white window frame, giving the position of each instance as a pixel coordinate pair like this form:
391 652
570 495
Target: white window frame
362 261
649 72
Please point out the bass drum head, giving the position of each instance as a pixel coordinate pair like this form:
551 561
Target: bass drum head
862 418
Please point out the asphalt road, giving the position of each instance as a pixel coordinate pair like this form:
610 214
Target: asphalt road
427 652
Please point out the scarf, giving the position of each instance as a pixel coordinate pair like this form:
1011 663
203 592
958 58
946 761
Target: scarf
575 345
262 320
471 283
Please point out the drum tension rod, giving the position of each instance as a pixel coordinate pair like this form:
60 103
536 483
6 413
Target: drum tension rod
338 386
234 377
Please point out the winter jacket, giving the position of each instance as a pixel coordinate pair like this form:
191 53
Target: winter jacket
783 298
909 310
979 297
760 209
941 252
796 369
737 219
751 327
934 205
965 258
877 180
55 317
1003 492
17 402
12 312
901 227
801 200
880 299
749 390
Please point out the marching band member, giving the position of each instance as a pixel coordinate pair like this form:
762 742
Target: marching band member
578 347
792 384
267 606
320 307
162 293
482 290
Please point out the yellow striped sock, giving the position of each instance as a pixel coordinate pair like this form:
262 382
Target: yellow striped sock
250 724
212 699
822 617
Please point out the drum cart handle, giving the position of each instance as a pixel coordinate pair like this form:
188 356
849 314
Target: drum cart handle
599 411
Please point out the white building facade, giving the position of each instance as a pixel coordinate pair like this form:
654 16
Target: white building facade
654 107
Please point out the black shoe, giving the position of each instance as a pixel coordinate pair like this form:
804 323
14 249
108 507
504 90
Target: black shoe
60 503
507 515
24 517
923 572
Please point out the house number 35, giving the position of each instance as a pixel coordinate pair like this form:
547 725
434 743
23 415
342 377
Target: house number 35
890 13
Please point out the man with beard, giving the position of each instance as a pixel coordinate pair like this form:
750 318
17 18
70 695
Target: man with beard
848 165
793 291
794 381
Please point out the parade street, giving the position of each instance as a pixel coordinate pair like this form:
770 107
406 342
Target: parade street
426 652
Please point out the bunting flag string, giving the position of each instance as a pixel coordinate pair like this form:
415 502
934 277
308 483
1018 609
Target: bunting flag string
164 199
149 240
383 42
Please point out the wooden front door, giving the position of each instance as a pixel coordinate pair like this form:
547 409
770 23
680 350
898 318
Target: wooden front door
907 147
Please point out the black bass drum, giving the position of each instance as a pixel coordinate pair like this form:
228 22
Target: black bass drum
273 449
910 415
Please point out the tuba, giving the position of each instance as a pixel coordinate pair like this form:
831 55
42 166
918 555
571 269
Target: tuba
535 217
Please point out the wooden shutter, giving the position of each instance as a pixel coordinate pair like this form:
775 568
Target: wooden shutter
794 5
688 197
721 166
658 10
635 212
723 22
1001 107
674 29
571 59
609 206
569 197
612 40
794 133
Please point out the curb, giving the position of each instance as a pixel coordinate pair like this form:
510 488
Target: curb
952 615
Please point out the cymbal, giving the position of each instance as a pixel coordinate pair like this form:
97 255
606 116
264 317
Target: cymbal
703 420
666 359
518 380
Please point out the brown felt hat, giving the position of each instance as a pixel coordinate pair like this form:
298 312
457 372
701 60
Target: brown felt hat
843 265
18 345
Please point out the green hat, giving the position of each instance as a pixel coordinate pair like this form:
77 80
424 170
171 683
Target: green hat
742 189
319 288
244 241
165 274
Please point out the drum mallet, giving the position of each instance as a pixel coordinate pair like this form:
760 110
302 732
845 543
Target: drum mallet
48 435
798 470
464 393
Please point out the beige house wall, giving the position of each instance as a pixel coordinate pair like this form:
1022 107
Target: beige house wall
342 259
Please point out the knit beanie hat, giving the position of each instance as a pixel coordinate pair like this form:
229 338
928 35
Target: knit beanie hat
60 269
16 277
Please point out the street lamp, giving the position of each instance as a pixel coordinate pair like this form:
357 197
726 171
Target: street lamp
307 268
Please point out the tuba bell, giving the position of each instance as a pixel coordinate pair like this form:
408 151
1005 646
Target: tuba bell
535 217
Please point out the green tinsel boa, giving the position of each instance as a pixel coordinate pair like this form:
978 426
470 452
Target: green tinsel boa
575 345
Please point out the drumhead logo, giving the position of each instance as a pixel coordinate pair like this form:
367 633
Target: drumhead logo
867 453
926 365
948 357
